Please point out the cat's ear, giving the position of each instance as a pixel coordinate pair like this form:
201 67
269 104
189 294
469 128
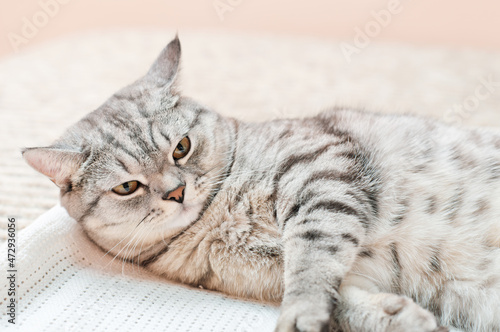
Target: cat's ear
57 164
164 71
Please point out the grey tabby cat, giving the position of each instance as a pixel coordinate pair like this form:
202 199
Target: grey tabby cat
356 221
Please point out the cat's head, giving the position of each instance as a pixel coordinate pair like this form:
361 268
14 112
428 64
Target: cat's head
144 165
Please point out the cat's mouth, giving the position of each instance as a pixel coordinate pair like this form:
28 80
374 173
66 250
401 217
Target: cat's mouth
183 216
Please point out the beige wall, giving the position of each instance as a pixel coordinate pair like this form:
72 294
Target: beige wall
456 23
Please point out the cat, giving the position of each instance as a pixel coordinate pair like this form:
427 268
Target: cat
353 220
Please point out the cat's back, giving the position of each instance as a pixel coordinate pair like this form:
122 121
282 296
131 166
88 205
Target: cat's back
448 171
419 148
409 157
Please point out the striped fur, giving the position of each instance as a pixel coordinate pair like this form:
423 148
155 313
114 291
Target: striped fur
353 220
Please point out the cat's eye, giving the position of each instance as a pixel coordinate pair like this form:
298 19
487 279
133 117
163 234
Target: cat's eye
126 188
182 148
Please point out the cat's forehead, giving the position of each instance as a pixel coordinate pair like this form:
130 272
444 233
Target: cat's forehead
135 119
149 107
115 132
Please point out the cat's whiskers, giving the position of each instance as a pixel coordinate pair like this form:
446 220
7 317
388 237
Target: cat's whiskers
214 181
210 170
140 240
125 247
241 173
117 244
124 238
130 250
147 215
142 244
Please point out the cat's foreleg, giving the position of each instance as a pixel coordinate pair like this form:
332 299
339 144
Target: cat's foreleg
321 239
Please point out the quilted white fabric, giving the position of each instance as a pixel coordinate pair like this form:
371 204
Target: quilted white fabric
66 284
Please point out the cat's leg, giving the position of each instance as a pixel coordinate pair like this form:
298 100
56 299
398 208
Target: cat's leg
320 238
363 308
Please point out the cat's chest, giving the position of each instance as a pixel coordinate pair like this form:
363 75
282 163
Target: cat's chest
249 199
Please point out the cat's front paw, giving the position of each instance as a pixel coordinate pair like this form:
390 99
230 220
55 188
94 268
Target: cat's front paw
303 315
402 314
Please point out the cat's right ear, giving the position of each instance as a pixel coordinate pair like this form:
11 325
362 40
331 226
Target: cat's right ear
164 70
57 164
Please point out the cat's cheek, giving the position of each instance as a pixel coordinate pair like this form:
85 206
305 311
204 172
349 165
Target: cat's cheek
106 237
195 195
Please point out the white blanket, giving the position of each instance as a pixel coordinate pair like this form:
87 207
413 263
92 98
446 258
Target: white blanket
64 283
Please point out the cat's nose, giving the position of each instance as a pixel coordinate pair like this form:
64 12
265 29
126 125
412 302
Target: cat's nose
175 195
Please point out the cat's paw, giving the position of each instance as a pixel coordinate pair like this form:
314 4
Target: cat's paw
304 315
402 314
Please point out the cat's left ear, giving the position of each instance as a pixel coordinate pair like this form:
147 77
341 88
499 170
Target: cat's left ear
57 164
164 70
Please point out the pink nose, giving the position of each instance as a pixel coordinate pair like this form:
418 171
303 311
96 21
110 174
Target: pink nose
175 195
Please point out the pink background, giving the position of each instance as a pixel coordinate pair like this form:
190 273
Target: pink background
449 23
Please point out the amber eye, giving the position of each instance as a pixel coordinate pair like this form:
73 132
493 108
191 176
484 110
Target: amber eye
126 188
182 148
